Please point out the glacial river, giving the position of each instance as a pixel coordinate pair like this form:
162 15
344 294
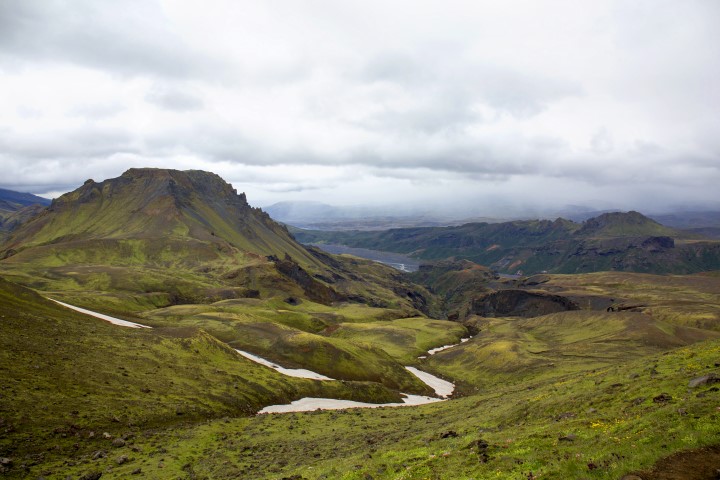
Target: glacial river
395 260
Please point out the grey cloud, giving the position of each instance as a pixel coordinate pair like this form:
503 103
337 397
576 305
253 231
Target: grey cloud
419 109
97 111
452 86
174 98
520 94
128 37
434 112
82 143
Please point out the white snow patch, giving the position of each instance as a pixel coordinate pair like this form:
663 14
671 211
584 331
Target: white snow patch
445 347
290 372
308 404
442 388
101 316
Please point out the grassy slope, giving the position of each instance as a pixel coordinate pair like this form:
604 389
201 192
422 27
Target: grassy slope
515 350
691 300
615 424
403 339
289 334
66 375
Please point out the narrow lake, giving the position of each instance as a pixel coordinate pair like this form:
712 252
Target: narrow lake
395 260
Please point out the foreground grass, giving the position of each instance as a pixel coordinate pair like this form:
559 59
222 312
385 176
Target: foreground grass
598 424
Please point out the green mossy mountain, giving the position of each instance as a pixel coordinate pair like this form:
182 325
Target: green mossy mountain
612 241
181 207
161 237
154 238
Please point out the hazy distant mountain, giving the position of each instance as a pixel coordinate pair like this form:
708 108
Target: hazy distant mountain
321 216
16 208
10 197
690 220
294 212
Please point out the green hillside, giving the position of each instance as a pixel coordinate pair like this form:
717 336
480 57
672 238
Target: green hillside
66 375
174 405
145 204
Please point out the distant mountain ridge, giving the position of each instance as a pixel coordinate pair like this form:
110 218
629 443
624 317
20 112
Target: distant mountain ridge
16 208
612 241
321 216
20 198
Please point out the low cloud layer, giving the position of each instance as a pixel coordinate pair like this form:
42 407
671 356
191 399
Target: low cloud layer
456 103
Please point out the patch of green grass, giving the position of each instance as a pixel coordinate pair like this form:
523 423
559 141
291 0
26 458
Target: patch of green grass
404 339
515 350
687 300
276 334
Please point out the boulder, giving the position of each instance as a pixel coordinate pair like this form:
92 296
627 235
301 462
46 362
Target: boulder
704 380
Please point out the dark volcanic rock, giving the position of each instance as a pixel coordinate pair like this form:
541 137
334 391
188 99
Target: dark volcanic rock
519 303
91 476
662 398
315 290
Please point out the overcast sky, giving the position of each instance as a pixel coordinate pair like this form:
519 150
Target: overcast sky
610 104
